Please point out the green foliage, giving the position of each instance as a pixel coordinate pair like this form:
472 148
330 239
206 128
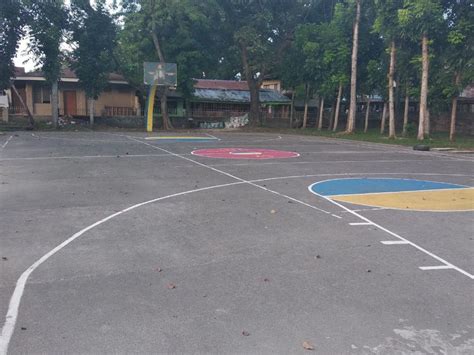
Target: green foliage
186 32
12 20
47 23
420 16
93 36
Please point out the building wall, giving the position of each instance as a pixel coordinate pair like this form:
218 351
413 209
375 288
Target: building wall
120 96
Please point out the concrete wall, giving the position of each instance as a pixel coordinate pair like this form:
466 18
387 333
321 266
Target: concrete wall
117 96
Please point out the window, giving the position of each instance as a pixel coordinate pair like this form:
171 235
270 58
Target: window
41 94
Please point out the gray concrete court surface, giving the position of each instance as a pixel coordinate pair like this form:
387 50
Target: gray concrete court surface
232 256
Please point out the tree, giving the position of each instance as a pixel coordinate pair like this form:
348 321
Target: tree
420 19
386 24
374 84
350 127
12 21
181 31
261 31
459 55
94 37
47 22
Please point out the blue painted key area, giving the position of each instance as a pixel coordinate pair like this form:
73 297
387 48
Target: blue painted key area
369 185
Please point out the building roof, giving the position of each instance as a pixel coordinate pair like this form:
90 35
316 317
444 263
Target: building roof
238 96
66 75
468 92
232 91
221 84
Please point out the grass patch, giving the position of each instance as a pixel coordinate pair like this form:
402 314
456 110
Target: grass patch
436 140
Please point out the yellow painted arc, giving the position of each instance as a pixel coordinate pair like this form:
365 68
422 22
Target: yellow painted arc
432 200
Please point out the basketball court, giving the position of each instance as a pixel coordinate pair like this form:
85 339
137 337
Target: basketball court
226 242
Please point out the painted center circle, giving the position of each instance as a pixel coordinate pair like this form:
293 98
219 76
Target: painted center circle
403 194
245 153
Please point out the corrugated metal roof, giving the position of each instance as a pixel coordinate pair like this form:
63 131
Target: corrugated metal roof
65 73
220 84
238 96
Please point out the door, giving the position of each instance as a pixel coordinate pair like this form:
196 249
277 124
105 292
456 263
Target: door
70 107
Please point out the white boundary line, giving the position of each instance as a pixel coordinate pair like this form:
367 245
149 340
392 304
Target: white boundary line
15 300
87 157
324 162
438 267
210 135
5 144
12 314
446 263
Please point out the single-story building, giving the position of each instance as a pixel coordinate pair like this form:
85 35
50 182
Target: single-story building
219 99
213 100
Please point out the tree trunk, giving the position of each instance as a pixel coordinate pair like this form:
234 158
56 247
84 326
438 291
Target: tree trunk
405 113
321 114
54 103
454 106
164 92
338 105
164 110
350 127
31 120
427 123
91 110
391 99
305 115
292 107
424 88
452 128
384 118
254 114
331 118
367 113
254 87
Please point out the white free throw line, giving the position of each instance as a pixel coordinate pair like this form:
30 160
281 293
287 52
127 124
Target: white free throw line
393 242
5 144
438 267
360 224
446 263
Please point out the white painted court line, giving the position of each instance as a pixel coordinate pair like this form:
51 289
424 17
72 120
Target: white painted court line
234 177
78 139
13 307
210 135
12 313
438 267
326 162
360 224
5 144
423 250
87 157
393 242
245 153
